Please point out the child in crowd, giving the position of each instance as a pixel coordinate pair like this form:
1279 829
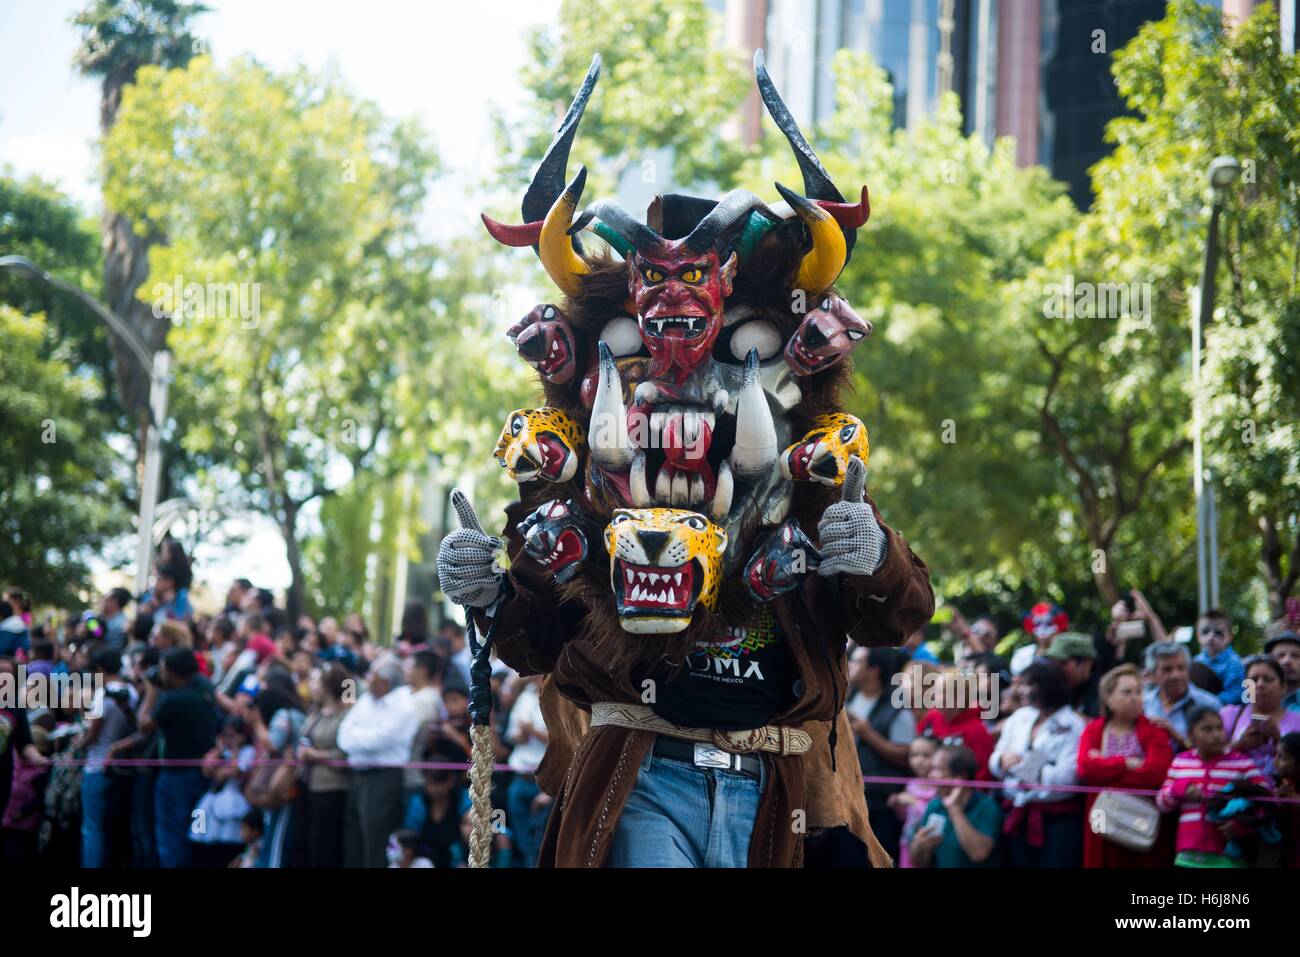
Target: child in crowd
1193 778
216 829
250 832
1286 772
910 802
403 850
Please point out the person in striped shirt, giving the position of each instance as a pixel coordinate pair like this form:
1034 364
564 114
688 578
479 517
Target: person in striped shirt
1193 778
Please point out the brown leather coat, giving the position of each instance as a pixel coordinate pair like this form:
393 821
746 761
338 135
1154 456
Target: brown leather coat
591 772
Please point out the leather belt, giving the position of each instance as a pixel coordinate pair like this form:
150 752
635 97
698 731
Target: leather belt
689 753
773 739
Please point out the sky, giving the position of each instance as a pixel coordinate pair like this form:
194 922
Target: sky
441 61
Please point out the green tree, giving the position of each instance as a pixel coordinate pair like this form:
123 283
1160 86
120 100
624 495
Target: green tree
668 83
309 197
118 38
56 486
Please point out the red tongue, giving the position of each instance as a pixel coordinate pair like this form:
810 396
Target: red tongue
686 455
800 459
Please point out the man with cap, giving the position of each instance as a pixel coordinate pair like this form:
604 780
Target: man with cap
1075 654
376 735
1284 648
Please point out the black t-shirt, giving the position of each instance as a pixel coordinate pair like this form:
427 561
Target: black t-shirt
187 720
733 685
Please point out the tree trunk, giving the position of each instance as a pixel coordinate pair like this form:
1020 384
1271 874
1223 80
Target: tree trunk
1279 585
293 600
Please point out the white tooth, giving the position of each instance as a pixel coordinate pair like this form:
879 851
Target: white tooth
607 432
658 421
642 576
697 489
636 482
722 494
691 429
755 449
663 487
681 489
678 578
636 593
660 324
662 597
720 401
631 576
672 597
654 578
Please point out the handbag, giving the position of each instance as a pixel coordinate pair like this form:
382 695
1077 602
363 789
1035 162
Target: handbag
1125 819
272 786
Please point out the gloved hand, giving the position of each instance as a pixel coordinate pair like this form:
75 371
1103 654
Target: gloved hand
467 559
853 543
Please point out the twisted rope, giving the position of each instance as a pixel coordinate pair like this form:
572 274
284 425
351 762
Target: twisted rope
480 790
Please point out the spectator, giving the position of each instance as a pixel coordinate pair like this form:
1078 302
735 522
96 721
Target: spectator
1171 696
1121 749
414 635
185 716
1286 771
1255 728
977 640
1214 631
1284 647
960 726
1202 676
275 723
21 603
235 596
1130 617
435 813
883 730
962 825
219 838
250 832
1043 623
454 729
13 631
527 807
325 797
105 793
113 611
1194 777
914 648
909 803
1039 745
403 850
41 659
167 600
423 675
457 649
1076 656
376 734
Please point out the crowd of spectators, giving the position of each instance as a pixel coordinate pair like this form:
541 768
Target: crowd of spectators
243 739
1063 750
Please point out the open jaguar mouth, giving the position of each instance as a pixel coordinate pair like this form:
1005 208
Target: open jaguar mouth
566 548
664 595
685 327
812 460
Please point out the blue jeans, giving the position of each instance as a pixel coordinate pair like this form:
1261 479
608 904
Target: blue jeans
680 815
175 794
144 833
526 825
94 814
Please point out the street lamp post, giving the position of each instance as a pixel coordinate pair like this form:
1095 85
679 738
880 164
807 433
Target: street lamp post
1222 173
158 367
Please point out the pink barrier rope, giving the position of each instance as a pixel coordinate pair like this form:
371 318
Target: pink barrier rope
464 766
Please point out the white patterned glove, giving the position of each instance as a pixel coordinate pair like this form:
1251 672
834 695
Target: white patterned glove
468 569
852 541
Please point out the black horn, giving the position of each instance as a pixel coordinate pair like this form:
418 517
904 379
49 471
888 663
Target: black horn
550 179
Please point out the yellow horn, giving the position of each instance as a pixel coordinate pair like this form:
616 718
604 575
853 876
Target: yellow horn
555 247
822 264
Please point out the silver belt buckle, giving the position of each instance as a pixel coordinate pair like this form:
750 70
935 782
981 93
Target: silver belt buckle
710 756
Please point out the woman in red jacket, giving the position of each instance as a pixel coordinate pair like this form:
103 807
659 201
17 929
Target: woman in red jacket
1121 749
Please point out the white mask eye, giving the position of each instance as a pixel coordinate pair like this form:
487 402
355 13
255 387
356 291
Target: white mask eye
695 522
758 335
620 519
622 335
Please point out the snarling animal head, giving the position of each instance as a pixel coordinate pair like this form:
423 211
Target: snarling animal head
662 563
540 444
823 454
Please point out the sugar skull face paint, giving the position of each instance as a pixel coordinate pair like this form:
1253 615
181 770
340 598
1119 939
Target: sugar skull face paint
663 562
540 444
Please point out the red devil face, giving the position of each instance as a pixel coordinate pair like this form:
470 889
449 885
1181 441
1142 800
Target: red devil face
678 294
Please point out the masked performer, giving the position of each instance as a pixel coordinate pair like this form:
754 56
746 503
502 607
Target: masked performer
692 545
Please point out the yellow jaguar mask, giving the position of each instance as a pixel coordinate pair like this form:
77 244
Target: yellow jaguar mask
540 444
662 563
823 454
